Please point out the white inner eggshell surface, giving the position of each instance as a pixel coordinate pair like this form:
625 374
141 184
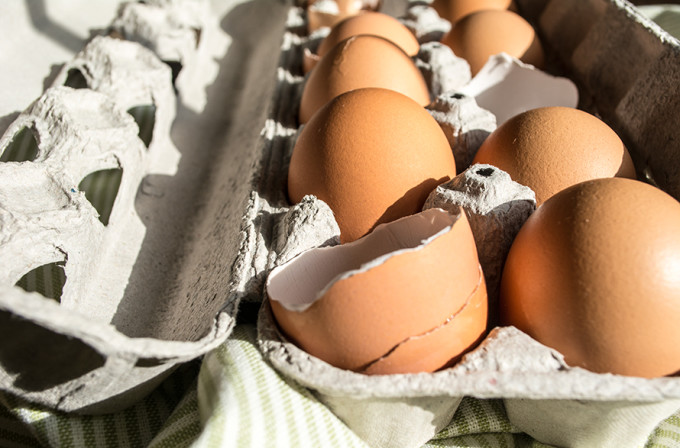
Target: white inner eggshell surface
297 284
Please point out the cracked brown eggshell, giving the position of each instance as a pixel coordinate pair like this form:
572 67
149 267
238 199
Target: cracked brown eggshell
358 62
409 297
595 274
482 34
373 155
551 148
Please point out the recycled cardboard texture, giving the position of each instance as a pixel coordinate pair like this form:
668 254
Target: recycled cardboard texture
310 223
112 66
78 132
195 214
149 22
465 124
173 30
443 71
551 401
424 23
153 287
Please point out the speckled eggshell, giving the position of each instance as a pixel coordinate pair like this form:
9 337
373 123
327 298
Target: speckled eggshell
551 148
373 155
595 274
454 10
357 62
482 34
409 297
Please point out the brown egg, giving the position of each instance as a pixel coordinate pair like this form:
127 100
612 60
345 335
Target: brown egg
482 34
375 23
373 155
454 10
361 61
409 297
595 274
328 13
552 148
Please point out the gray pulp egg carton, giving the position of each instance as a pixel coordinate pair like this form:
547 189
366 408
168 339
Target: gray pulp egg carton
144 264
194 232
636 90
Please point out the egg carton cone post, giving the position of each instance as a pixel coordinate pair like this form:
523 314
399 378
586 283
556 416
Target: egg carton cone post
121 204
548 399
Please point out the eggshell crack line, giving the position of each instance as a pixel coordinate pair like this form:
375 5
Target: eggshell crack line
448 320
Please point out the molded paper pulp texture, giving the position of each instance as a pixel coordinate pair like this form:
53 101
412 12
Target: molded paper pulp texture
544 397
188 253
153 287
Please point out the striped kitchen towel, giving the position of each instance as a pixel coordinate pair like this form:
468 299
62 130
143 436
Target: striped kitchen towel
238 400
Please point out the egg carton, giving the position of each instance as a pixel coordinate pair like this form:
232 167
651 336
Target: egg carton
173 30
543 396
148 287
179 282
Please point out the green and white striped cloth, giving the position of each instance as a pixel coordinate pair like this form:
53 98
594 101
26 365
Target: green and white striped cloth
237 400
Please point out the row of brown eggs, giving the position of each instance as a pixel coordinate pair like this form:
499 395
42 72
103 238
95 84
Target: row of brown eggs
373 154
404 292
488 27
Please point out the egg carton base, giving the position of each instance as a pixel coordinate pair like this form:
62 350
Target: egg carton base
546 398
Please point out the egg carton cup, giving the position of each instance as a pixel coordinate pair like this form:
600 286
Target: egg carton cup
134 77
496 208
46 219
170 28
150 288
176 31
543 396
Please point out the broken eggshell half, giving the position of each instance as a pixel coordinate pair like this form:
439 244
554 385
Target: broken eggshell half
408 297
506 86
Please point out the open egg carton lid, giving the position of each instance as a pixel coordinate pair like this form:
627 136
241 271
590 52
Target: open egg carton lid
555 403
123 192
